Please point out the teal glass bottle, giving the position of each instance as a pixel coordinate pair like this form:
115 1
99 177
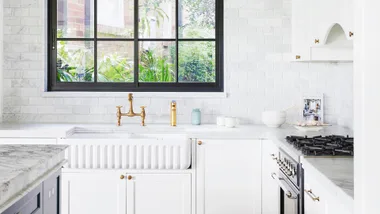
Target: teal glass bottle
196 116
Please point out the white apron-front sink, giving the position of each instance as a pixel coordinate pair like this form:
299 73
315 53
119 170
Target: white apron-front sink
120 149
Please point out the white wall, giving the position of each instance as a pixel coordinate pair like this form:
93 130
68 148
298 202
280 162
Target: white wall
258 74
367 106
1 60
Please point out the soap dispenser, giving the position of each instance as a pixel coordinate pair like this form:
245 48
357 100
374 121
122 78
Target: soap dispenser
173 113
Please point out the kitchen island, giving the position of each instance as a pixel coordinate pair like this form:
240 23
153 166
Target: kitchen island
29 169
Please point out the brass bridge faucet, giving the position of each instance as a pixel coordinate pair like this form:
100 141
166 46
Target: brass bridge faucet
130 112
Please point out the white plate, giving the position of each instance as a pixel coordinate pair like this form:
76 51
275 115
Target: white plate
309 128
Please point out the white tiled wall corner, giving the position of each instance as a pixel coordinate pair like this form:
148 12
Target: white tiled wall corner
258 77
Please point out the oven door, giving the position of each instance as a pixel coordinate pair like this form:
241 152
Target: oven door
289 195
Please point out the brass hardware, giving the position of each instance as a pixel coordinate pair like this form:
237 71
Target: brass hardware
130 177
351 34
130 113
173 113
311 195
298 57
200 142
273 156
316 41
122 177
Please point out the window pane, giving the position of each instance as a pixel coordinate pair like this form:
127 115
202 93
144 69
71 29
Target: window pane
157 19
75 61
115 61
157 62
75 18
115 18
196 19
196 62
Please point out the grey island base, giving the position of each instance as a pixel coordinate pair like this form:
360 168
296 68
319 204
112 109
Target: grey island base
29 178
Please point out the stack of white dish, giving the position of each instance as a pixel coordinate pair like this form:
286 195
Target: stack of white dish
273 119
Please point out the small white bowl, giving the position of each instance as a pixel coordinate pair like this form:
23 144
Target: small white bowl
273 119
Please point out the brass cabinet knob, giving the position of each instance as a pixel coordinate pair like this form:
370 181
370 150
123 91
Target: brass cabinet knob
130 177
316 41
200 142
351 34
122 177
298 57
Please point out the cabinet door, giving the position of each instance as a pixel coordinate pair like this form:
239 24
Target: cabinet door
270 190
95 193
301 39
346 16
323 17
50 190
159 193
228 176
315 201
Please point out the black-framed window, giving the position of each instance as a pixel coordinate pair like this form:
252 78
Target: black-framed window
135 45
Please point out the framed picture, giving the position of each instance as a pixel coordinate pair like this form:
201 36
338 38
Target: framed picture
312 110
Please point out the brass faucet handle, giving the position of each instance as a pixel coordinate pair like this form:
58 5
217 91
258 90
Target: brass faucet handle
143 107
119 107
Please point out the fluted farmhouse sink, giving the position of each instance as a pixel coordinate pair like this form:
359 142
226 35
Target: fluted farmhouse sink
115 148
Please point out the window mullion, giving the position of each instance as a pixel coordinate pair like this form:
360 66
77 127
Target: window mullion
95 41
176 38
136 43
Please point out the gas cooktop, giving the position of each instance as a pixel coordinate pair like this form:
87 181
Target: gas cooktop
332 145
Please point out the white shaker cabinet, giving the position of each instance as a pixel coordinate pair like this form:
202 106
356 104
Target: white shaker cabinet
270 192
159 193
301 39
93 192
100 192
321 20
228 176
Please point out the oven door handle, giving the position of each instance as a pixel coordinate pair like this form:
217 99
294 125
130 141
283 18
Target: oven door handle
288 191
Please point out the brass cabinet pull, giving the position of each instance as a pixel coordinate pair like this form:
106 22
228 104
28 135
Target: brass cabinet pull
316 41
351 34
298 57
130 177
311 195
122 177
200 142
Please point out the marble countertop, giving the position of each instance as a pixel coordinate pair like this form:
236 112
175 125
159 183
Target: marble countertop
22 165
336 174
277 135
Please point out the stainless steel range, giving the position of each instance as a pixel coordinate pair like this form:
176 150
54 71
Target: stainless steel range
290 180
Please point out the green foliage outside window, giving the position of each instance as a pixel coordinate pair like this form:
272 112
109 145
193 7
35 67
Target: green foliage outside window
196 60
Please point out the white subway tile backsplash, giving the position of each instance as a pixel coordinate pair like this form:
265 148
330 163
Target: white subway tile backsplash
258 74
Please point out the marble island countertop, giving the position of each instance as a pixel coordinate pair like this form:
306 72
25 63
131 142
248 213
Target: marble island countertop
21 166
336 173
339 176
